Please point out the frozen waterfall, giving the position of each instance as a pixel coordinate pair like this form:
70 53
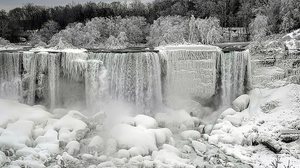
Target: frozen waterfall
177 76
10 76
235 75
133 78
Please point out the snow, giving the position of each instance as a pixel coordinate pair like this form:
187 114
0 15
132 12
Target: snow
73 147
128 136
190 134
145 121
291 40
189 47
31 136
12 111
175 120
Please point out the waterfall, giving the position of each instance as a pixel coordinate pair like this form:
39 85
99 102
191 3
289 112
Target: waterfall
53 78
31 63
74 65
177 74
235 75
10 78
190 74
133 78
95 84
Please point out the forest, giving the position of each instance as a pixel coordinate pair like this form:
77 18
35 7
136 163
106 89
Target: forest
159 22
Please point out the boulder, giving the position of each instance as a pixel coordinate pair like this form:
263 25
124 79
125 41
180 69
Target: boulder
199 147
227 112
190 134
73 148
241 103
273 145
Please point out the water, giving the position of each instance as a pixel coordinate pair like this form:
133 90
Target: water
53 78
144 80
190 76
133 78
95 85
235 75
10 78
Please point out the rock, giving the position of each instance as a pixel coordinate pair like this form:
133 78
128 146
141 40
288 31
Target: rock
201 129
108 164
73 148
190 134
187 149
96 144
80 134
199 147
208 128
235 120
287 138
272 145
241 103
59 112
111 146
227 112
145 121
123 153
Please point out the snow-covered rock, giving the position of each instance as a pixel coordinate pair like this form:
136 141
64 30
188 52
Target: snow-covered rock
227 112
48 142
175 120
13 111
96 144
235 120
111 146
190 134
17 134
241 103
199 147
128 136
145 121
73 148
169 158
162 135
123 153
72 121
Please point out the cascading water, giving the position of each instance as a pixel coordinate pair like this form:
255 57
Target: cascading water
53 78
133 78
235 75
190 75
10 77
95 84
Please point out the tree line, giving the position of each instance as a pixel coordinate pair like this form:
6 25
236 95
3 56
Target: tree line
276 15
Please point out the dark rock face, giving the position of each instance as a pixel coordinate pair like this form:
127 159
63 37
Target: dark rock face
272 145
289 138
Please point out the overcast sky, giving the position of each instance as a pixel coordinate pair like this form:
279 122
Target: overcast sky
9 4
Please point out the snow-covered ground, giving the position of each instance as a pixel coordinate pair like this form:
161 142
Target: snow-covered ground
30 136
